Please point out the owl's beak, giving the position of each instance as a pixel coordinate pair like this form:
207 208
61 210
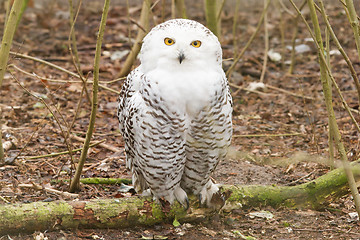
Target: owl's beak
181 57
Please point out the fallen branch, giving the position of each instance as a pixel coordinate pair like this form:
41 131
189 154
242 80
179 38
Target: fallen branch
135 211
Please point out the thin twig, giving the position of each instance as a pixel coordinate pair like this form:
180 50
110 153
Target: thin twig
28 141
298 180
106 146
78 106
289 93
47 189
286 9
95 164
62 153
56 67
1 197
115 80
137 24
248 90
44 62
34 75
267 135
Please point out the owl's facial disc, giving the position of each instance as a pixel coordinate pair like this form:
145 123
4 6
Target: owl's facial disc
181 56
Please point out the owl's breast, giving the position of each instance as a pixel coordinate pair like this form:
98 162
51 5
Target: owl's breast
185 91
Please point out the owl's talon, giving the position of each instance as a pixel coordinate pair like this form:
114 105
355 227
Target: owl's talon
182 197
187 204
146 193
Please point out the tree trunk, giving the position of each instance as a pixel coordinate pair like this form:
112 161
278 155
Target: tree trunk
135 211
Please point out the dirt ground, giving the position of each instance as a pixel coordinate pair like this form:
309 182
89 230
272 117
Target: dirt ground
290 104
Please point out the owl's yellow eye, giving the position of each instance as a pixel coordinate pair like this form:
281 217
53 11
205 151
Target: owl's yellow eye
196 43
169 41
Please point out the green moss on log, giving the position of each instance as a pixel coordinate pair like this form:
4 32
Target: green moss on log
314 194
34 216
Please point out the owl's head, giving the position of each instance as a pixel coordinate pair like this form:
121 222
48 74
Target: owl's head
178 44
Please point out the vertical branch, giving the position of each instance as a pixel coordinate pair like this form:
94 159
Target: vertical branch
234 26
23 8
211 16
144 22
295 27
7 11
180 8
331 130
10 28
282 34
74 186
219 8
163 5
354 23
173 9
266 38
129 21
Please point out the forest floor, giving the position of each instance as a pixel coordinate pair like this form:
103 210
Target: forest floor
267 158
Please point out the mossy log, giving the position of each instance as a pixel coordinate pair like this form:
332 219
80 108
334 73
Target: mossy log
135 211
105 181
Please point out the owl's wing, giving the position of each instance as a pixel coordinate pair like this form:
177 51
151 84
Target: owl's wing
207 143
154 139
126 110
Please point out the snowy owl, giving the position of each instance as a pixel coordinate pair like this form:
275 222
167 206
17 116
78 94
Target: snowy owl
175 113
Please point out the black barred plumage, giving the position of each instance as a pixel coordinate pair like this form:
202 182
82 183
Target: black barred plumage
175 113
